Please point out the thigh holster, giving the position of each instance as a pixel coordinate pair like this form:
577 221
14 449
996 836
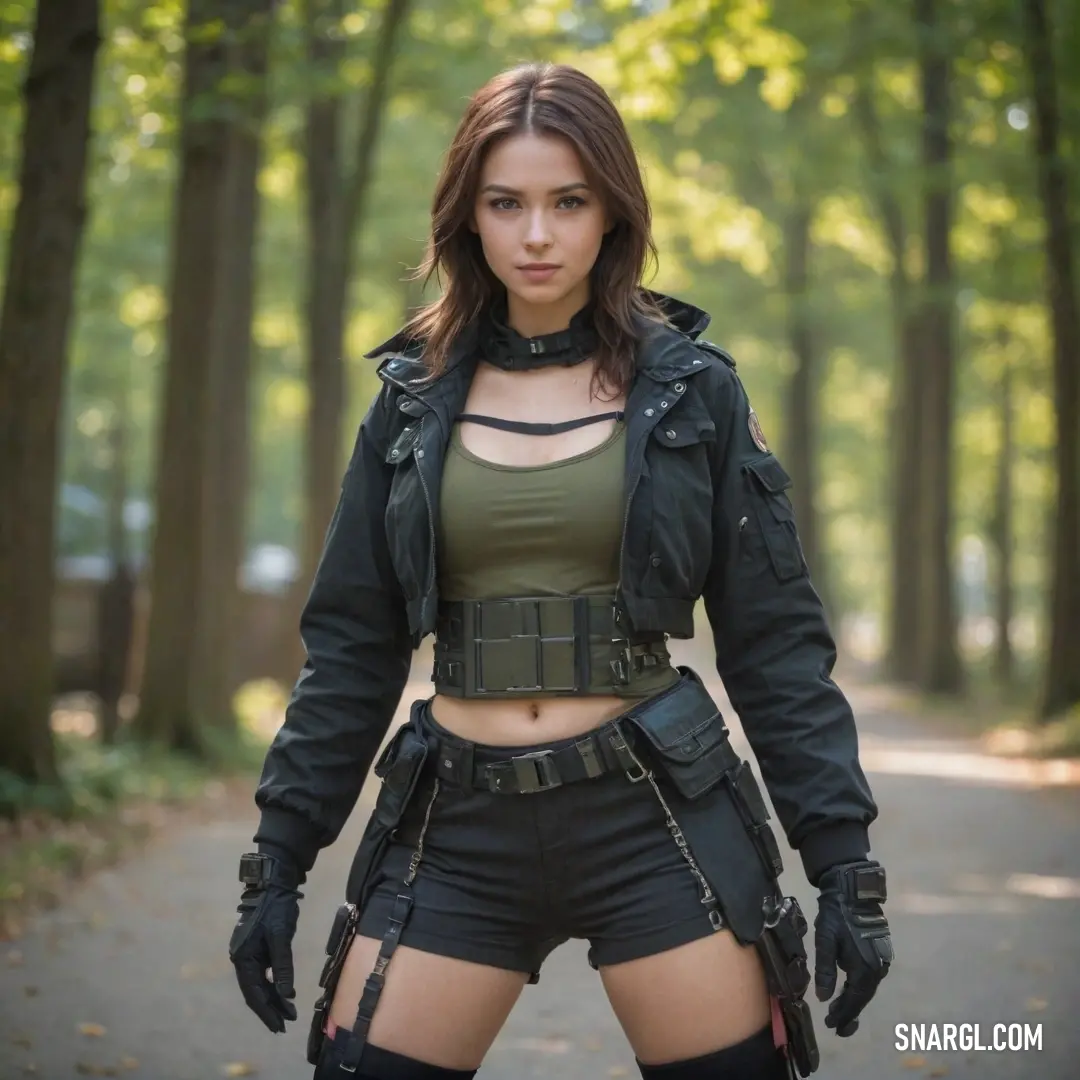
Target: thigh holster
399 767
683 738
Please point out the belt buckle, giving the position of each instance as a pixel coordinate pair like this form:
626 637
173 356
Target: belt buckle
535 772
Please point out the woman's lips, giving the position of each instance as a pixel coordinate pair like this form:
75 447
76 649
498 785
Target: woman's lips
540 272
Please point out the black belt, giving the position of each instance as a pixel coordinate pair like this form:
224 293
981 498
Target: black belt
599 752
524 646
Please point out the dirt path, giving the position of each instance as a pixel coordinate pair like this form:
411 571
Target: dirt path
984 880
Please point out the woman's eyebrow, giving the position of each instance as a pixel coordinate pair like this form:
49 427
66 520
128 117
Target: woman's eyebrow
502 189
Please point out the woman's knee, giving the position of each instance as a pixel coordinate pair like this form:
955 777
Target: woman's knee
464 1005
692 1000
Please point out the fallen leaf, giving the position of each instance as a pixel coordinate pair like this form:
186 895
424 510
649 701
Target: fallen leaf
1034 1004
85 1069
94 1031
129 1063
939 1070
914 1061
593 1043
31 991
24 1042
618 1070
30 1069
239 1068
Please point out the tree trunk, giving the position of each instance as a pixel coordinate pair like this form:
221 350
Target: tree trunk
335 216
42 259
116 601
1062 685
939 659
227 464
167 710
1002 531
334 205
327 279
905 437
802 415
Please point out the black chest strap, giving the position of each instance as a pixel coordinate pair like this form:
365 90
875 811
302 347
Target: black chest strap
523 428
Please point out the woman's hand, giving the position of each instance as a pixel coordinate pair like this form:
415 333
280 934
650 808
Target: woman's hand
262 941
852 933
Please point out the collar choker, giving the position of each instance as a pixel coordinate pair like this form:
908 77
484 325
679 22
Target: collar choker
504 347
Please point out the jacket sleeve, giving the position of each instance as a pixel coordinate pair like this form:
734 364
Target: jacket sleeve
355 633
774 650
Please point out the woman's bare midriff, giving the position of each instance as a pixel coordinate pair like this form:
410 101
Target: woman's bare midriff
525 722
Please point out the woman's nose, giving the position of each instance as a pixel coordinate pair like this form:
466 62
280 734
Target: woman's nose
538 230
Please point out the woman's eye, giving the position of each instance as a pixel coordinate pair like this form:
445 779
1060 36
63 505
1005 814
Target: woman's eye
574 201
502 204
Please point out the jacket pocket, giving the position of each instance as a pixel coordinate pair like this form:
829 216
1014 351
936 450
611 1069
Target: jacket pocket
680 497
406 510
776 516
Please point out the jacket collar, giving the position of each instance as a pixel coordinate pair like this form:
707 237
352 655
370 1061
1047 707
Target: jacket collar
663 353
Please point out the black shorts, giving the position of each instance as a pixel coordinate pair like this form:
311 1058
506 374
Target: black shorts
505 878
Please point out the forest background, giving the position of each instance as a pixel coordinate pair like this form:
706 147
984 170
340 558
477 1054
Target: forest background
209 212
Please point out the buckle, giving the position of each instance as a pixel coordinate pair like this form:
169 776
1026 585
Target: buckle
535 772
255 870
868 883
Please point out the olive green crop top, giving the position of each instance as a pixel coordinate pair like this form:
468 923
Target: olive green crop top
537 530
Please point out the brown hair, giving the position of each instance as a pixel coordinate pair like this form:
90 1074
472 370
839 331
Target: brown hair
555 100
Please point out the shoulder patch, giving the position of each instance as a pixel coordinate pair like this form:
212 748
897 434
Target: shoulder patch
715 350
756 432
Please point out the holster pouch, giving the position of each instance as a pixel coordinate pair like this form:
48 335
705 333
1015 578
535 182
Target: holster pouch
787 974
755 817
399 767
687 743
337 948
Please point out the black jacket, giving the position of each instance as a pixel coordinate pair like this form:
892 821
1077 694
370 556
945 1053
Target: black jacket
706 516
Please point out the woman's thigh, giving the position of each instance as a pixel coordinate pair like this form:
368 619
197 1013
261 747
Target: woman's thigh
435 1009
691 1000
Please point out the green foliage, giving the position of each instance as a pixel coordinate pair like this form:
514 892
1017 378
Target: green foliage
97 779
734 106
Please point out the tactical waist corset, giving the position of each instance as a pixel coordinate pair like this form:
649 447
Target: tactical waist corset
524 646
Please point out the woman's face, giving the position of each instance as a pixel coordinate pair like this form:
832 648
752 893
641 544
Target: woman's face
541 227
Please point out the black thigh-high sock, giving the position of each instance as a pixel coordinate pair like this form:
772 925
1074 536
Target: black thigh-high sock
755 1058
379 1064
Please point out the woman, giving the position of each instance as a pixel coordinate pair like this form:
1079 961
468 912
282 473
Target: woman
554 471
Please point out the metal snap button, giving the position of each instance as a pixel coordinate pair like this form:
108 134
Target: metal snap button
394 453
655 560
663 404
419 453
649 412
678 388
670 434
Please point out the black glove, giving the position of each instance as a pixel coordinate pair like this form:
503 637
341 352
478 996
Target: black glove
262 937
851 931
